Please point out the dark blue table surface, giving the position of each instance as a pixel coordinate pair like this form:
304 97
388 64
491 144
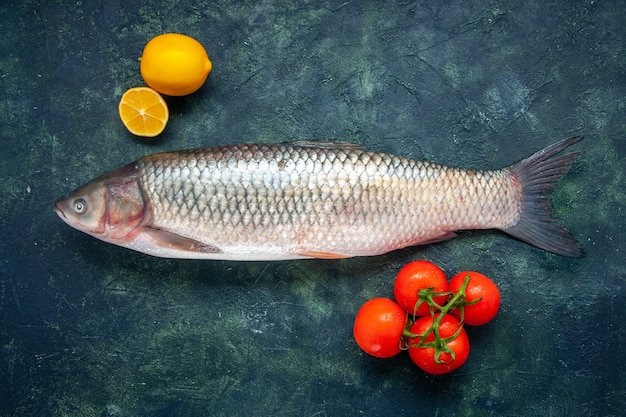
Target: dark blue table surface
90 329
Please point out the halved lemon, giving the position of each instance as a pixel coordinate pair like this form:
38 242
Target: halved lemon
143 111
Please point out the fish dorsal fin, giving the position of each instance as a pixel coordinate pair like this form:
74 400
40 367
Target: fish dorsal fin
325 144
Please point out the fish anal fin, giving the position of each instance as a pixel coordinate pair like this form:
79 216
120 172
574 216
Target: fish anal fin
169 240
323 255
441 238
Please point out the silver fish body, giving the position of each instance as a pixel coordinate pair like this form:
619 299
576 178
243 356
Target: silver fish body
312 200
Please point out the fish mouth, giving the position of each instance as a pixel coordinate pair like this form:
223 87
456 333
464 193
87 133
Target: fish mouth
59 210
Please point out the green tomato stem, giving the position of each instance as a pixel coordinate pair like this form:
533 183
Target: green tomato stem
439 344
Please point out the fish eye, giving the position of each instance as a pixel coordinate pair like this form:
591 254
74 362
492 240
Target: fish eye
80 206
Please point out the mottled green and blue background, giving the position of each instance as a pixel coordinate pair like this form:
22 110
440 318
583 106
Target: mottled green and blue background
90 329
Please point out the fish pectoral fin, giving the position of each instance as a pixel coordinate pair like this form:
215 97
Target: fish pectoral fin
323 255
165 239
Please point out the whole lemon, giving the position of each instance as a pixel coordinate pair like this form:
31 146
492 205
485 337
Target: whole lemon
174 64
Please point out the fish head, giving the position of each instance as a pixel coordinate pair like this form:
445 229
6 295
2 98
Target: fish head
110 207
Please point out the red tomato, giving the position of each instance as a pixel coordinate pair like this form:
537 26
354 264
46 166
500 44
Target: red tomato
479 287
378 327
424 357
415 276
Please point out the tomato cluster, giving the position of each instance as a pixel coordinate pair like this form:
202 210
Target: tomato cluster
427 316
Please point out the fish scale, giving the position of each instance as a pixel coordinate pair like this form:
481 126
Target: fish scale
312 199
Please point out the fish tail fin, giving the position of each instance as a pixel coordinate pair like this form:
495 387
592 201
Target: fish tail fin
538 175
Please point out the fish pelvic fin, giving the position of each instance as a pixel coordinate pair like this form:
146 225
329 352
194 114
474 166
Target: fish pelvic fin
538 175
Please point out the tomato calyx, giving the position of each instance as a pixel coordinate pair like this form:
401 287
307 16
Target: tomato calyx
428 295
439 344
